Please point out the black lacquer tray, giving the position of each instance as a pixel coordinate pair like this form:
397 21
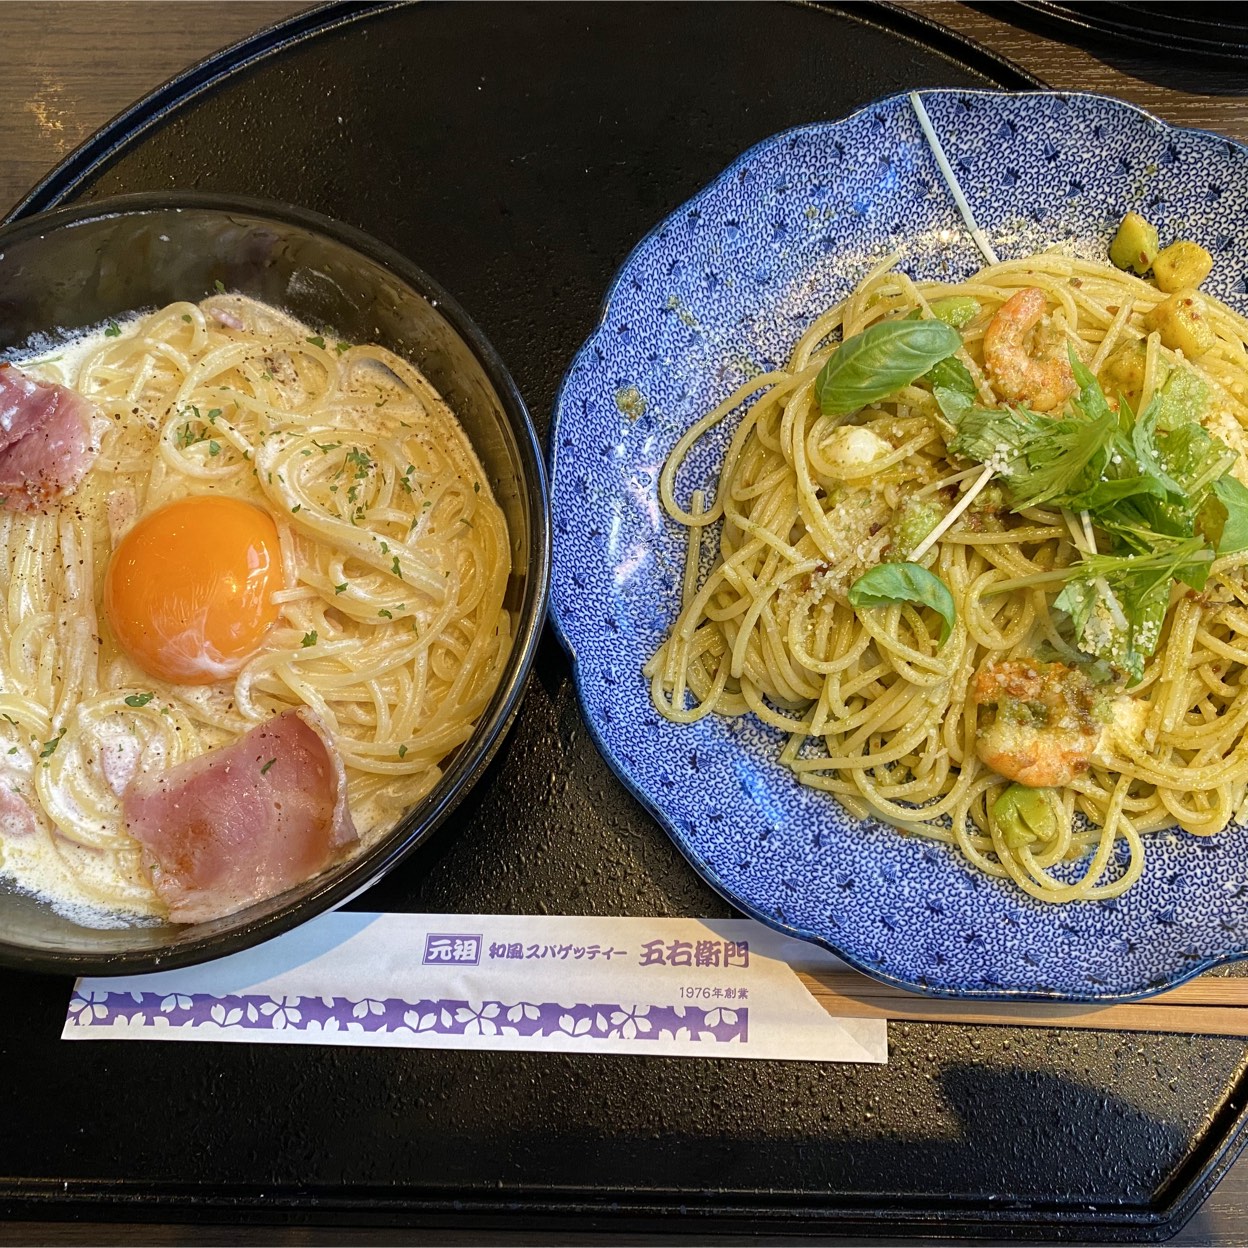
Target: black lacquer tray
1207 33
517 153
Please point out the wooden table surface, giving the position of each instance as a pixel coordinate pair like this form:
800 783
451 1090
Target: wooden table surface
71 66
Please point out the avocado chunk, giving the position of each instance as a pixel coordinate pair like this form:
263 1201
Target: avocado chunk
1135 245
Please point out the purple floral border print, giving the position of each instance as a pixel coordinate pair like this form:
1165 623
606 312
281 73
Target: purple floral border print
394 1016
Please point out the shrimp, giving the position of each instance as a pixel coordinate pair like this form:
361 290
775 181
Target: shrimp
1026 371
1052 721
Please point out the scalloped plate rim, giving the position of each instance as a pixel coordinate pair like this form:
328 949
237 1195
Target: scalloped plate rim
702 869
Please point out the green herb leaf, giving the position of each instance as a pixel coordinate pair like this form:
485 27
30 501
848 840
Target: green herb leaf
139 699
317 341
186 316
1064 458
878 362
113 330
952 374
385 614
1232 496
341 589
49 747
1191 456
214 448
219 286
264 771
309 639
1147 457
1183 399
890 583
402 751
1125 631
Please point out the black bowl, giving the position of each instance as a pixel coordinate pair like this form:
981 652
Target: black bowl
77 267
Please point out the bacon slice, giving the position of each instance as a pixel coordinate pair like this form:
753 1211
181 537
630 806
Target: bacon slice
243 822
45 440
17 820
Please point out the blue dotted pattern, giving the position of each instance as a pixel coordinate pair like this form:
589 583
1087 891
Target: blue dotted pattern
722 289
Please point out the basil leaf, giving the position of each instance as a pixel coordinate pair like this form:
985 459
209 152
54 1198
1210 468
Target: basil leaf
878 362
889 583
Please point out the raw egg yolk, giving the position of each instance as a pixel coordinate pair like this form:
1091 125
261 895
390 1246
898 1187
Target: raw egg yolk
189 591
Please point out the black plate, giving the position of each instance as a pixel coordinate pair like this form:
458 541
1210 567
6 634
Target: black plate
518 153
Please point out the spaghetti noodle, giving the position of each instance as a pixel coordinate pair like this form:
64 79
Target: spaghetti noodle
878 711
391 625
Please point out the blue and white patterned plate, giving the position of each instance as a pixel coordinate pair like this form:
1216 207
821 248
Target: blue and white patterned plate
724 287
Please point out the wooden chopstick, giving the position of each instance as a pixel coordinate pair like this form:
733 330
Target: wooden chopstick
1210 1005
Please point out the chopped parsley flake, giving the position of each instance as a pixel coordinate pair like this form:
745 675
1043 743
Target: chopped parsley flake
219 286
385 614
341 589
113 330
402 751
309 639
214 448
139 699
295 508
317 341
394 567
265 769
49 747
186 316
